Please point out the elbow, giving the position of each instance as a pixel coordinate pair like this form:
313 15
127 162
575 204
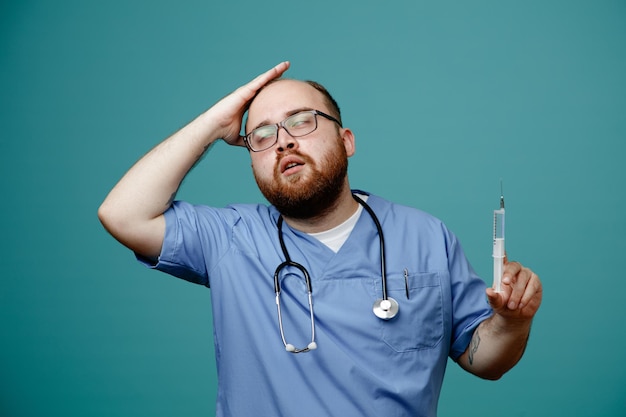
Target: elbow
112 219
492 373
103 214
490 370
144 237
106 216
492 376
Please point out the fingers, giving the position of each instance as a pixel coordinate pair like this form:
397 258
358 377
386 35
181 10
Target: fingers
256 84
532 294
522 292
229 111
275 72
516 278
495 299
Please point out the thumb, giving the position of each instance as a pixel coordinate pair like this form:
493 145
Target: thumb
496 300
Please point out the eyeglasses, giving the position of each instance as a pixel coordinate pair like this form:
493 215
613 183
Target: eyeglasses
300 124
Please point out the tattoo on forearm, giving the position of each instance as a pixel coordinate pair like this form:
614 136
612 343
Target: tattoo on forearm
474 346
206 148
204 151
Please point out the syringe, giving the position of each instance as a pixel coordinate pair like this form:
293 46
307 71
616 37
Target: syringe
498 243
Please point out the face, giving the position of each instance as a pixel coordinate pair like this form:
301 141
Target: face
304 176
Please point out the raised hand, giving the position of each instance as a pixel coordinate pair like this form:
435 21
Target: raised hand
228 112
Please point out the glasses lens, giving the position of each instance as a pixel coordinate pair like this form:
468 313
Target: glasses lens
263 137
300 124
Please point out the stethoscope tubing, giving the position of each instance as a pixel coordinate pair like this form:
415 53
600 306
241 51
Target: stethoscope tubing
289 262
381 238
389 310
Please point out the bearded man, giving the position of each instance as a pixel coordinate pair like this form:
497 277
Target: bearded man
314 310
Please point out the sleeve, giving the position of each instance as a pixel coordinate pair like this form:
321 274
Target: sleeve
195 238
469 301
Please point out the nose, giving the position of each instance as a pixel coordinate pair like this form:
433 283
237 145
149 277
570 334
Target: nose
284 140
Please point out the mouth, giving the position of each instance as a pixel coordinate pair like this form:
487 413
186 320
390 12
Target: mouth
291 164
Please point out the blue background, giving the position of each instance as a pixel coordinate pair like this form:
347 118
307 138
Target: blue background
445 98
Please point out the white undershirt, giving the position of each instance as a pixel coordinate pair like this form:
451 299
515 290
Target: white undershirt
337 236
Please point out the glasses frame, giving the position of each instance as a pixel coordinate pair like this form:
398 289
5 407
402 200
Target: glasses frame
281 124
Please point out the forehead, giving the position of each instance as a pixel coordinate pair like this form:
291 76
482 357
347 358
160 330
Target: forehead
275 101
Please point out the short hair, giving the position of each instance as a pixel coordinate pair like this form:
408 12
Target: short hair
328 98
333 107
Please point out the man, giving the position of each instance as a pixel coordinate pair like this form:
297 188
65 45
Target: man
350 362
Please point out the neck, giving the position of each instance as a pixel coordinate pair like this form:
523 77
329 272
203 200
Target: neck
344 207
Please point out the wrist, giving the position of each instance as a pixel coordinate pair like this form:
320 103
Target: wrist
504 324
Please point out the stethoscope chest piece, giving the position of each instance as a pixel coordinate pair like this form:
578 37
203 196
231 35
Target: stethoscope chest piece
385 309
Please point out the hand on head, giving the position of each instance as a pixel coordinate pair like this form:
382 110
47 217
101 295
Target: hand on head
229 111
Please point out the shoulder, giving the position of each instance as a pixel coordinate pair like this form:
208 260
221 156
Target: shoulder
244 210
395 212
233 214
411 225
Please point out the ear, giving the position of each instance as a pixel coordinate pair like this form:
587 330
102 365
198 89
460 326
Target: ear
348 141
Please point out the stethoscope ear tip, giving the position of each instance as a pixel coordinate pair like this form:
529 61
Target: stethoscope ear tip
312 346
290 348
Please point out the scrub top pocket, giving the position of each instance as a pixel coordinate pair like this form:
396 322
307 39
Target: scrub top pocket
419 323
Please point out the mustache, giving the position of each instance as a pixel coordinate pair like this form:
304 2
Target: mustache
291 153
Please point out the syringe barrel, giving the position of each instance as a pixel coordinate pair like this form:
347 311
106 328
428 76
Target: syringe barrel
498 248
498 224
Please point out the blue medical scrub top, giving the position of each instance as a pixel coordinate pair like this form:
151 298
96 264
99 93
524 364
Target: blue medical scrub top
363 366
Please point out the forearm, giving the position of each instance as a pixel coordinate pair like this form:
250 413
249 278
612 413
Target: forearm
131 210
496 346
147 188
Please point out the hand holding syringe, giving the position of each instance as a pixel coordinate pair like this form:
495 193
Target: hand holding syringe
498 243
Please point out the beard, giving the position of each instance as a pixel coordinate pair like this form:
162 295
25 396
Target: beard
305 196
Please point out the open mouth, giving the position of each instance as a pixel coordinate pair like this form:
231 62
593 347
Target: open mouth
291 164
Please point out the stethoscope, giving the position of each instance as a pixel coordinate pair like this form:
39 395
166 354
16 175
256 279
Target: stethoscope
384 308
